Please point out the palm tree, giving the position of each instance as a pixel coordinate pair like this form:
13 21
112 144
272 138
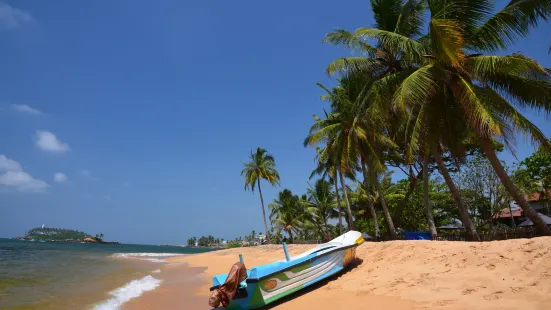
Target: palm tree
437 75
478 84
357 141
287 213
321 199
261 166
331 131
326 167
394 20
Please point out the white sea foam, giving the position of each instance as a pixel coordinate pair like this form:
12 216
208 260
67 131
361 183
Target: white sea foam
123 255
156 271
154 260
131 290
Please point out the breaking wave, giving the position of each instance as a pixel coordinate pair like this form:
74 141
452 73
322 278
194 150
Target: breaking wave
127 292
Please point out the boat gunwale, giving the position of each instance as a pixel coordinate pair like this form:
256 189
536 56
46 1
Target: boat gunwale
253 280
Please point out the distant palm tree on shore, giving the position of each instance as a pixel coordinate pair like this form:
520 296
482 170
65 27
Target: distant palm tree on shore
261 166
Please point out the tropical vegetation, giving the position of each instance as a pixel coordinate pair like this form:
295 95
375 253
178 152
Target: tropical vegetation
428 88
57 234
204 241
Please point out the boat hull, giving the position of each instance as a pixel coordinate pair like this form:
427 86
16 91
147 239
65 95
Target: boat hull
314 268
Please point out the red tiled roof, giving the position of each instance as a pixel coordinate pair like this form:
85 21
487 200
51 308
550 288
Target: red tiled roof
536 196
517 211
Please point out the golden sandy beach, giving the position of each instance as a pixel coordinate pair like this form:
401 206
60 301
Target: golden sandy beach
512 274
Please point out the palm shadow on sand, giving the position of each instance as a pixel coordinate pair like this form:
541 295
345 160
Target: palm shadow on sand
353 265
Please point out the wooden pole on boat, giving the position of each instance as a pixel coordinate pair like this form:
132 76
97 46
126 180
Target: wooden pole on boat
286 251
241 258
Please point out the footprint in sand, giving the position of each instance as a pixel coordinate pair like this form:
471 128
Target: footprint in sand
517 289
444 302
490 266
469 291
494 295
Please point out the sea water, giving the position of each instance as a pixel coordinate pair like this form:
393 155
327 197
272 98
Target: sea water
44 275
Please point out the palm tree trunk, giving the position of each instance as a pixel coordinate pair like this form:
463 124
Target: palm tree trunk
513 224
403 203
344 190
326 233
338 203
264 213
388 218
345 217
430 217
290 233
463 211
539 224
369 202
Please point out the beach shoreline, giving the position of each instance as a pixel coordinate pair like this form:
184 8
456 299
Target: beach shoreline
175 290
391 275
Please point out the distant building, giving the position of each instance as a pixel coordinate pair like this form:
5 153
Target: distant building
505 216
259 239
546 219
540 202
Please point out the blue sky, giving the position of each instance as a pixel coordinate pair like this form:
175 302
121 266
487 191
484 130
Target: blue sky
132 118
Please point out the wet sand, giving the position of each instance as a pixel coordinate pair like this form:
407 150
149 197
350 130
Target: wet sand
396 275
176 290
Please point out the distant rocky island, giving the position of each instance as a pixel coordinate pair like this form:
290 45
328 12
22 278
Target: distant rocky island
50 234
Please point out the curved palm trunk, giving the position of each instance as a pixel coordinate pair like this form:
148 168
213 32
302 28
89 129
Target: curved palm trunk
388 218
290 233
463 211
428 208
344 190
369 202
264 213
338 204
539 224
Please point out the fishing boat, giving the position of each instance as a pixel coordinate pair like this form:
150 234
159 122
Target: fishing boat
267 283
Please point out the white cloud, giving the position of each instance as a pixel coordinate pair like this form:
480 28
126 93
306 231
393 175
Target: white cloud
48 142
11 17
7 164
23 108
60 177
12 176
84 172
